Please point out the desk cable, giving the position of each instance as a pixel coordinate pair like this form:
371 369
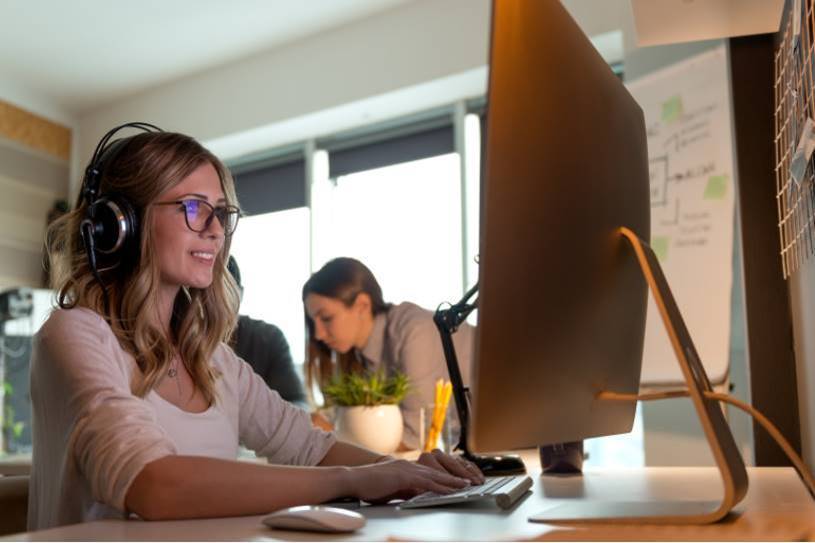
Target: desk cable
803 471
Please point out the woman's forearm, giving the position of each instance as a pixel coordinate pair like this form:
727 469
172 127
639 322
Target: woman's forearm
346 454
178 487
175 487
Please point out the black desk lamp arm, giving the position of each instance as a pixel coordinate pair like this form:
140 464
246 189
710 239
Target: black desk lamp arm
560 458
447 321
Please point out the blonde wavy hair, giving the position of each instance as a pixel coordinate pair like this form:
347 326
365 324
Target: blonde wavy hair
146 167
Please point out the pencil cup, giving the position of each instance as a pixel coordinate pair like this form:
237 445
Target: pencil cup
439 435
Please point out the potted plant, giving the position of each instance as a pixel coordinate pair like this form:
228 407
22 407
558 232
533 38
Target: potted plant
367 407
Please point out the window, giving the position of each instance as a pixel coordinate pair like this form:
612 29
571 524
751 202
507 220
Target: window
392 199
271 243
404 222
272 251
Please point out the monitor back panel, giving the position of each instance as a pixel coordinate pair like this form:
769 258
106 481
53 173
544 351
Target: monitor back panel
562 300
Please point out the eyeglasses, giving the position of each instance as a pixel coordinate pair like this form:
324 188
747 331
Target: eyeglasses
199 214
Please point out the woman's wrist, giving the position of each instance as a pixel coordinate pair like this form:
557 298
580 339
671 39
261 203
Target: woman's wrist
343 477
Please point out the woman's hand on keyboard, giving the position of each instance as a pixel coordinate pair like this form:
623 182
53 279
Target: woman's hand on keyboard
400 479
454 464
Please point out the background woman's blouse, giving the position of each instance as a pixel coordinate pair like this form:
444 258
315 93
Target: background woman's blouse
405 338
92 436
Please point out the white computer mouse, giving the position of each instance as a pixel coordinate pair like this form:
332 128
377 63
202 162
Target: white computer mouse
315 518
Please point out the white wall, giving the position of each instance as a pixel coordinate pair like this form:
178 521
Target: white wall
409 46
414 57
13 92
599 17
30 182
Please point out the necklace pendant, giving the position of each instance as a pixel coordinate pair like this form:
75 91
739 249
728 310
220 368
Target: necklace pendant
172 372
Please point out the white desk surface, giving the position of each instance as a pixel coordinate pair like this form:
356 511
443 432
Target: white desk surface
777 507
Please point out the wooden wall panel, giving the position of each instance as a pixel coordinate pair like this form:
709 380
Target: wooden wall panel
34 131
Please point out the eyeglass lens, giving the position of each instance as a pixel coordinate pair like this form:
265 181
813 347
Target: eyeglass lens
199 214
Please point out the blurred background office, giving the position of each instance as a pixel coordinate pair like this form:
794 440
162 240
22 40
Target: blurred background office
353 128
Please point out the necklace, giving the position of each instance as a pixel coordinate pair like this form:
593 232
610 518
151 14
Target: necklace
172 373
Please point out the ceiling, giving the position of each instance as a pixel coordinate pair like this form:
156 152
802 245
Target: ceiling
77 56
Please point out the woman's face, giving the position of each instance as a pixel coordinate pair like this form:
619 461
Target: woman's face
339 326
186 258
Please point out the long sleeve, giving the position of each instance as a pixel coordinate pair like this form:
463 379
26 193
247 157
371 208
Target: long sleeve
422 359
406 339
272 427
92 436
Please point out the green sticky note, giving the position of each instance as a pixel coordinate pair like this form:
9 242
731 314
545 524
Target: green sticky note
660 244
716 187
672 109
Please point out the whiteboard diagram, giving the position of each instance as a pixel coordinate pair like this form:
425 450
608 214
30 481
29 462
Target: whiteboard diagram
687 115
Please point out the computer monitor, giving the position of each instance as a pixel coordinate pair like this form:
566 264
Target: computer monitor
563 293
562 300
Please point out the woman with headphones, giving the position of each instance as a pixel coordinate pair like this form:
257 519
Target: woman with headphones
138 404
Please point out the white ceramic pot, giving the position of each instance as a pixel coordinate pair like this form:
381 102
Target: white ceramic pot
378 428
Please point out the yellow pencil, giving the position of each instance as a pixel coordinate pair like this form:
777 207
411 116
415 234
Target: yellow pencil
448 391
443 392
445 401
432 432
439 392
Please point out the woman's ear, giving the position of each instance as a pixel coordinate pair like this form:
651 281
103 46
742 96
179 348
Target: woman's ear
362 304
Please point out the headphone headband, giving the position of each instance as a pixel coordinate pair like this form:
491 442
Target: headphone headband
104 153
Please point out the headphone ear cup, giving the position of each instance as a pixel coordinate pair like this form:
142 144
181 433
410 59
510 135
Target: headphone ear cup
115 225
110 228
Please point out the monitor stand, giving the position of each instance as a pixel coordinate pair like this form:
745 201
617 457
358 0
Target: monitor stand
724 449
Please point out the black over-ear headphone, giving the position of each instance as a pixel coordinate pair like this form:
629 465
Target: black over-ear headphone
110 227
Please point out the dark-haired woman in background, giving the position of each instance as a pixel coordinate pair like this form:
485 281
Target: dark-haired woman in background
346 313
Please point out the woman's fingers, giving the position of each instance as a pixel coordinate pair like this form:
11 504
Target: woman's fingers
442 476
422 478
402 479
474 473
437 480
429 459
456 465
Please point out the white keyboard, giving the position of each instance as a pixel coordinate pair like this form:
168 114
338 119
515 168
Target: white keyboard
504 490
